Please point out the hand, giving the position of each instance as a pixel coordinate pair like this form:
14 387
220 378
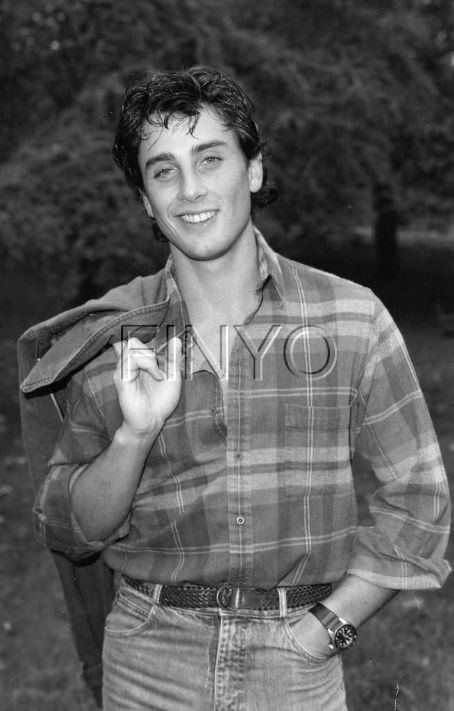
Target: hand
313 637
147 395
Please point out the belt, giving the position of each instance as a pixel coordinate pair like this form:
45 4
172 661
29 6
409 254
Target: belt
232 597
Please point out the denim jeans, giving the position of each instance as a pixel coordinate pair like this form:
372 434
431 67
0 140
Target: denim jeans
168 659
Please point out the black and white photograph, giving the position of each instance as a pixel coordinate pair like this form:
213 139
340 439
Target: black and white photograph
227 350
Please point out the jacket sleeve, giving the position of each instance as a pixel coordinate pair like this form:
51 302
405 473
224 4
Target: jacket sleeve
83 436
404 547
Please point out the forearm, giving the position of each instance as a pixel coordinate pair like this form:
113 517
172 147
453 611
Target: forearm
356 599
102 495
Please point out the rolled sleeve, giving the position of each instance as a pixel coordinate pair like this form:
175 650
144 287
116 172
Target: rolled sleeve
82 438
410 509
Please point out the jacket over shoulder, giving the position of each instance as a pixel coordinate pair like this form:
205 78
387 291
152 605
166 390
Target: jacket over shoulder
49 353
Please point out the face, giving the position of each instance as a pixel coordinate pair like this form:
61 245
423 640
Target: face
197 186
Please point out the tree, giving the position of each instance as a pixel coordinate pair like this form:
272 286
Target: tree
64 206
356 100
366 109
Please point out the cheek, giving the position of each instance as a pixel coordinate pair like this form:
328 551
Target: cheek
158 205
236 188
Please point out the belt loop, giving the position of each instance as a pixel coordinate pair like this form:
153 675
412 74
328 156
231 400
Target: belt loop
282 592
156 592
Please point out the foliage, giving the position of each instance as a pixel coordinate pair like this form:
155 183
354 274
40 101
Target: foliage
73 212
350 95
365 89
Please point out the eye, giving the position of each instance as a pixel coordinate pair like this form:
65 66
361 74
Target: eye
211 160
164 173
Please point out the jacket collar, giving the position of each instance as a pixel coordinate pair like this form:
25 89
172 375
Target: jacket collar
52 349
147 307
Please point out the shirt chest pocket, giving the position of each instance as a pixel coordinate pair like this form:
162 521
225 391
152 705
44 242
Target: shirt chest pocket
318 428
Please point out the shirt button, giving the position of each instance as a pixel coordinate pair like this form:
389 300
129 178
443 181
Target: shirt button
238 456
240 520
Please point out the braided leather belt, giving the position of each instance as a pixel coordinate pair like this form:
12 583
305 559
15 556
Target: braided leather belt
232 597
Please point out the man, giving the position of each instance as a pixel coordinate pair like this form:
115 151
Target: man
208 452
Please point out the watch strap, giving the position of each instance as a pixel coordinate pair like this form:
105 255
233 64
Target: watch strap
341 632
328 619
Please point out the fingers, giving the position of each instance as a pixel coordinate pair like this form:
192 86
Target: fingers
134 356
174 356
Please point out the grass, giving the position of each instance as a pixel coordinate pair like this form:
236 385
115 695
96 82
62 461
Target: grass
403 659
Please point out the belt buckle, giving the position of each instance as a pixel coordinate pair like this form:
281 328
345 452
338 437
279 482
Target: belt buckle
224 595
231 597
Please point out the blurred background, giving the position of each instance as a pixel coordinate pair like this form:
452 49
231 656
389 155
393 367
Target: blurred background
356 101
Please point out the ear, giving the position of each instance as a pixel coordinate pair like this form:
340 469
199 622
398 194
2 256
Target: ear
147 205
255 172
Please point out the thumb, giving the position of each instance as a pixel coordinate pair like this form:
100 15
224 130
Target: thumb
118 348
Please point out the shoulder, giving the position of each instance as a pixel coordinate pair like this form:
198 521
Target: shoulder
329 292
140 291
53 349
122 298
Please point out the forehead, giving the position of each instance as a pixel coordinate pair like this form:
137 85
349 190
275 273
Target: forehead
185 133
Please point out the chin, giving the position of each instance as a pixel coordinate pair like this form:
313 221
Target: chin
213 253
203 253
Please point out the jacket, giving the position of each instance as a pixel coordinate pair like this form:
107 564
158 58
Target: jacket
49 354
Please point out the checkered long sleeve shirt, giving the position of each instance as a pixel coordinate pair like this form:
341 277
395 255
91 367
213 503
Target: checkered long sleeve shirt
250 479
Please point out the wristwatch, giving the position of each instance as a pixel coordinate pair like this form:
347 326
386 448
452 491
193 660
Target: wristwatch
341 632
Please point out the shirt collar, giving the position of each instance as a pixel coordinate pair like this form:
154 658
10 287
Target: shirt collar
176 319
269 266
269 269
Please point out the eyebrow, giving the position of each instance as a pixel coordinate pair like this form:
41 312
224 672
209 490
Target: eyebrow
199 148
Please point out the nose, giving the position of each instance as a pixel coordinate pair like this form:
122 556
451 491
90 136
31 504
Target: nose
191 186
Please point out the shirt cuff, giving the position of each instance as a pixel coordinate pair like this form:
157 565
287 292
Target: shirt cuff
55 525
385 564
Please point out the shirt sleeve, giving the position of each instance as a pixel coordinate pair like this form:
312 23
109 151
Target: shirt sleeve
410 509
83 436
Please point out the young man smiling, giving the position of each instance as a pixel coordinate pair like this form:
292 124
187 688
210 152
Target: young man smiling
226 504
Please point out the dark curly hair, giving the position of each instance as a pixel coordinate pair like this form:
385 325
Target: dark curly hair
157 96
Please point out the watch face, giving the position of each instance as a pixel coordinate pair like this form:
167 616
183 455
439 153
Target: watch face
344 637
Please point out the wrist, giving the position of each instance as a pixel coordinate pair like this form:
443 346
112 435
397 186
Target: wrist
342 633
127 436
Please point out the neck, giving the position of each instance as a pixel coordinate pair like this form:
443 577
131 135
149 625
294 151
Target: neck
225 285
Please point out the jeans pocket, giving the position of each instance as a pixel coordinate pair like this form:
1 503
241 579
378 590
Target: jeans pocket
295 634
129 616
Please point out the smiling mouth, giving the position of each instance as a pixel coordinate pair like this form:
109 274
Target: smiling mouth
198 216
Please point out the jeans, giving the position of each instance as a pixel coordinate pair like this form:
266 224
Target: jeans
169 659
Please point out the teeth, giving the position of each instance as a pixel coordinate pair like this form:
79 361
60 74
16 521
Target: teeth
199 217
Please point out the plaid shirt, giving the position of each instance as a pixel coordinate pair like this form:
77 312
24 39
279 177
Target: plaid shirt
250 479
